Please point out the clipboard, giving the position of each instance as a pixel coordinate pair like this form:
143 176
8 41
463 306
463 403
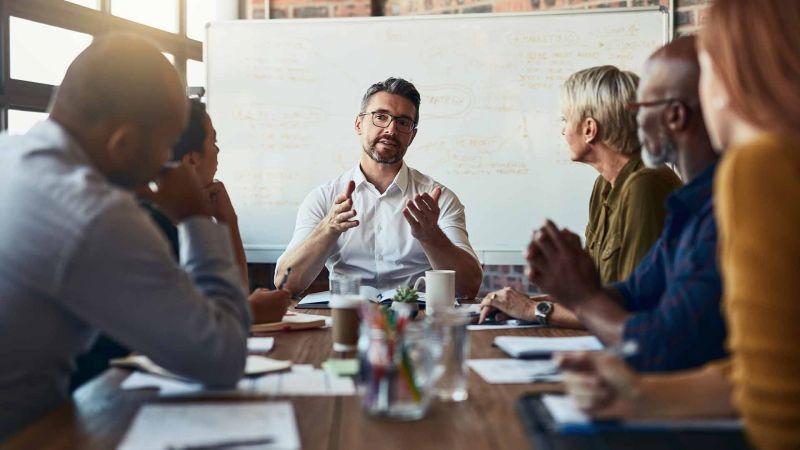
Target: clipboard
545 434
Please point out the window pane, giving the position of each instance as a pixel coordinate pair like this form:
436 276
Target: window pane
169 57
155 13
195 73
20 122
42 53
95 4
198 14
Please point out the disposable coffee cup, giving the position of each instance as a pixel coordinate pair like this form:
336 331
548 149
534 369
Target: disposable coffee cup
344 309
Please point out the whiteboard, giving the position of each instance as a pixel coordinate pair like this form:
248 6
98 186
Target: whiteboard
284 94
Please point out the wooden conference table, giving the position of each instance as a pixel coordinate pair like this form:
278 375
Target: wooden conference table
101 412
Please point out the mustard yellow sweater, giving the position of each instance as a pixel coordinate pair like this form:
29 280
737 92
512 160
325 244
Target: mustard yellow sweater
757 193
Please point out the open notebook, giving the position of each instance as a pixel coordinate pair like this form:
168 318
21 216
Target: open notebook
321 300
256 365
555 423
567 419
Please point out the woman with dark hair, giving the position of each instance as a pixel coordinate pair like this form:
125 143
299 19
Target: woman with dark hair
197 148
750 59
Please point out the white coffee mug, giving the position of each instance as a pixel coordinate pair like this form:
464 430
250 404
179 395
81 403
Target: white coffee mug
440 289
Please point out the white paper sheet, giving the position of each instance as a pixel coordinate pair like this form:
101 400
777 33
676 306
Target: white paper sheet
302 380
503 326
520 346
260 344
162 426
514 371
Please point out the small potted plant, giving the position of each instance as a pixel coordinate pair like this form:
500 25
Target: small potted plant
405 300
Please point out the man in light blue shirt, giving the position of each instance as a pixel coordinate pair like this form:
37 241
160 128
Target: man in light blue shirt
78 255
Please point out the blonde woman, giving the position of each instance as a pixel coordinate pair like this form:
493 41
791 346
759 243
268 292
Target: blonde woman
626 209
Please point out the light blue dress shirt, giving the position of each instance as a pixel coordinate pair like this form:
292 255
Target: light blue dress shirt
78 256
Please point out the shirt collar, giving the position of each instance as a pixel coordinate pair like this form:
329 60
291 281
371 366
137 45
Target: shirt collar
400 180
633 164
695 194
54 133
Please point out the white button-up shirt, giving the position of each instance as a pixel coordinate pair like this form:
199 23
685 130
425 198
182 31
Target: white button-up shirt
381 249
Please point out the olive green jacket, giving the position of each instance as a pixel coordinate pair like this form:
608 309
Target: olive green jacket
625 220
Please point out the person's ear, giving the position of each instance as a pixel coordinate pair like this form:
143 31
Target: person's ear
191 159
123 144
589 130
676 116
357 125
413 135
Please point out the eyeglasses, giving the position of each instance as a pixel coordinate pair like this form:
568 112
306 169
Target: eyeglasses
636 105
383 120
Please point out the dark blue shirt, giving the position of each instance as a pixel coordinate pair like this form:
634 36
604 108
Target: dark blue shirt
674 293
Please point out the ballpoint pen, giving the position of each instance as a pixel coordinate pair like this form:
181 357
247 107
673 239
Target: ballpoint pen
285 277
622 350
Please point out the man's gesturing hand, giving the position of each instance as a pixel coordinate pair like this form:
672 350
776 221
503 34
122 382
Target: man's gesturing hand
339 218
422 214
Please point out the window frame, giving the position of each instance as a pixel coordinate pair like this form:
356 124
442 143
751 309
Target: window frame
32 96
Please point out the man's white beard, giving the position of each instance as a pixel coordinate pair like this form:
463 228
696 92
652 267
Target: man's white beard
655 162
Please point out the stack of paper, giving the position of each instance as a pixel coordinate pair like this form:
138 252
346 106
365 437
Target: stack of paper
292 321
256 365
270 425
322 299
301 380
514 371
537 347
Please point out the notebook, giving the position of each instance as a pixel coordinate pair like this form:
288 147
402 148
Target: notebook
256 365
291 321
555 424
541 347
321 300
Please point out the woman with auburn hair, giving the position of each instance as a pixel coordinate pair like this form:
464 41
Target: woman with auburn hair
750 58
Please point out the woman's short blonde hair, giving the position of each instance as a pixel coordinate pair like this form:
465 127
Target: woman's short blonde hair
603 93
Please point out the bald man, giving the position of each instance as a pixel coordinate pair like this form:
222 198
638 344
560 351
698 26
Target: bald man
670 304
78 255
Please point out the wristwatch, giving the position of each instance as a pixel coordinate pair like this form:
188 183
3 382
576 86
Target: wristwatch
543 311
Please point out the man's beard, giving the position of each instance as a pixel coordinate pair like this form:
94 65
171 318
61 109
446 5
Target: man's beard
668 155
373 154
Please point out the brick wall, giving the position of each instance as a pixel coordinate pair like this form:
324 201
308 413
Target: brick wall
688 15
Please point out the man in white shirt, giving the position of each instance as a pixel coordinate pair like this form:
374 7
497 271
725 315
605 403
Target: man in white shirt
382 220
79 256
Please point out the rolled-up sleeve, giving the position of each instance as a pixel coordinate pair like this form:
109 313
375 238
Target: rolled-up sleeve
453 222
310 213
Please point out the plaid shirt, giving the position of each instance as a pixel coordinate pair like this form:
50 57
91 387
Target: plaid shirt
674 293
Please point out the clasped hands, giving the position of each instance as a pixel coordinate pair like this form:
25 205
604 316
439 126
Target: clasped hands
560 267
601 384
421 213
